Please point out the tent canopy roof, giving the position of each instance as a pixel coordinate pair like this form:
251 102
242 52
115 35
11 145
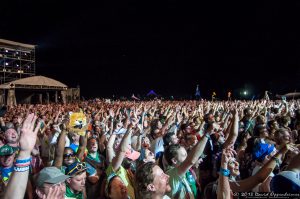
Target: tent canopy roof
16 44
151 93
37 82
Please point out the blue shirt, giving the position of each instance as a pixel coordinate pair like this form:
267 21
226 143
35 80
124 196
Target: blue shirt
5 173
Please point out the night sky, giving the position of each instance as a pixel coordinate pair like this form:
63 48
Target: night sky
119 48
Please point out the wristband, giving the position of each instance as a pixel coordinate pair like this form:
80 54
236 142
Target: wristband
224 172
22 164
18 161
21 169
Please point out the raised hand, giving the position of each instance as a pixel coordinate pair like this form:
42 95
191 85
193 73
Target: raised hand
53 193
227 155
179 118
111 113
29 133
20 120
134 122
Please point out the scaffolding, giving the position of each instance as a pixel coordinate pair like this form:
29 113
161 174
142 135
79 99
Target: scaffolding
17 60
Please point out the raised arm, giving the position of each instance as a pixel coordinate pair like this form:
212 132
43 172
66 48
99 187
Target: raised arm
101 143
60 147
223 185
234 130
194 154
112 116
18 181
167 123
82 146
118 159
249 183
57 116
2 123
110 148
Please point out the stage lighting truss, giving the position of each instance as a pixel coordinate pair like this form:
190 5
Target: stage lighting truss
17 60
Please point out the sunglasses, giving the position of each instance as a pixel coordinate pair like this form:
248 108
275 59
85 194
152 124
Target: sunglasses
68 155
79 167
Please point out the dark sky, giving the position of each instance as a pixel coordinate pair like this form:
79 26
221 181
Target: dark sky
126 47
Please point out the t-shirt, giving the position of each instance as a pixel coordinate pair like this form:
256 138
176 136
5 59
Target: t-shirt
192 182
96 159
157 146
122 173
70 194
255 170
180 186
95 165
90 169
5 173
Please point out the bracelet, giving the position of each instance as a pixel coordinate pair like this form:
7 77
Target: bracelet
224 172
23 161
22 164
21 169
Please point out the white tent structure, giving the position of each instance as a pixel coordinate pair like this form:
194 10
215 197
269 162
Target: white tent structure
35 82
40 83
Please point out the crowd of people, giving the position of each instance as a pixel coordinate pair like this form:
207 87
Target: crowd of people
151 149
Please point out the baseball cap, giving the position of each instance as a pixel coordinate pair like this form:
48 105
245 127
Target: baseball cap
261 150
7 150
286 182
75 168
51 175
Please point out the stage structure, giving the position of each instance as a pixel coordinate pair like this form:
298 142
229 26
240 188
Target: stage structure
17 60
18 83
35 90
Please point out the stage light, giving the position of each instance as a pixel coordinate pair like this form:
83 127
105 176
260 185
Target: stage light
6 64
6 51
245 93
17 65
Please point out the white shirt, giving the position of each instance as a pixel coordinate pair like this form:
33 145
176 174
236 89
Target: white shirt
255 170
